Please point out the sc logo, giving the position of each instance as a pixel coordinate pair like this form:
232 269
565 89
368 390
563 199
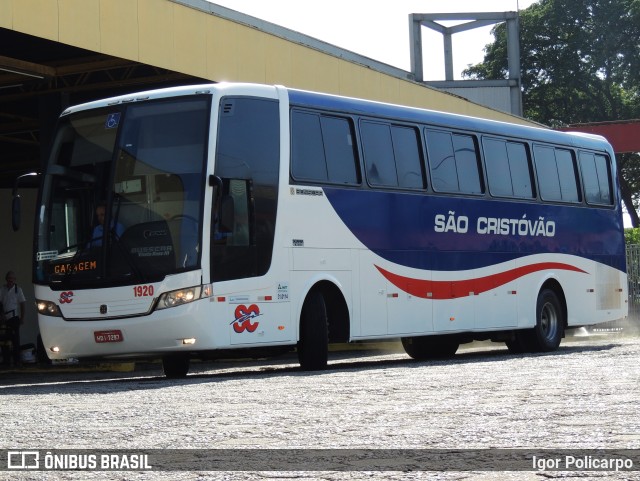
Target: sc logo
66 297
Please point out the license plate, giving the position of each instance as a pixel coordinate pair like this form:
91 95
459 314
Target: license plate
108 336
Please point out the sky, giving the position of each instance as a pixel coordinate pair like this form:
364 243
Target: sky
380 30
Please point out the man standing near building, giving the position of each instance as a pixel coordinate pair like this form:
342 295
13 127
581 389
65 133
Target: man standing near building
13 308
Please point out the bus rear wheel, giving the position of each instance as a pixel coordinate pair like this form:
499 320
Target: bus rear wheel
175 366
549 330
424 348
313 346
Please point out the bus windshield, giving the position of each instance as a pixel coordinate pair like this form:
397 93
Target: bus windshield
122 196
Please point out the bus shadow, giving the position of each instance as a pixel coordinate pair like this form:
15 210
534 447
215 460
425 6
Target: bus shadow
35 384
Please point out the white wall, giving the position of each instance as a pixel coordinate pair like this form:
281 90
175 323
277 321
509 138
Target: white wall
16 254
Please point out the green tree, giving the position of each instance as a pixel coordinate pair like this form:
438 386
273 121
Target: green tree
580 63
632 236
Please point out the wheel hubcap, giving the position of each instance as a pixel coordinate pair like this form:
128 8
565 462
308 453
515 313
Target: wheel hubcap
549 321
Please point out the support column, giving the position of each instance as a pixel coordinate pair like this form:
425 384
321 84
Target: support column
415 38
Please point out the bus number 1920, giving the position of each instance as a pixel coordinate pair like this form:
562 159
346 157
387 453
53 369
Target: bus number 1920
142 291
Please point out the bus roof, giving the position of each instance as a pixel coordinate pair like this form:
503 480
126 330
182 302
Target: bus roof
355 106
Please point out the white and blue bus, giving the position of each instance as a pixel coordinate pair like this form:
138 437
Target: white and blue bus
242 216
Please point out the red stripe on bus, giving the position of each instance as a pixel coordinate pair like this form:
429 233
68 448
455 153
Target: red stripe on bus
463 288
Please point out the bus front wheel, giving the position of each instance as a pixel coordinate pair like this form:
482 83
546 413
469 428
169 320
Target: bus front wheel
175 366
313 346
430 347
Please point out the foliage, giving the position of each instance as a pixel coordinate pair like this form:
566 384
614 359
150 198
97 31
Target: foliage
580 63
632 236
629 166
580 60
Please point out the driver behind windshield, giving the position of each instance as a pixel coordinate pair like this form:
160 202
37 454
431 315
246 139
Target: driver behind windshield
98 230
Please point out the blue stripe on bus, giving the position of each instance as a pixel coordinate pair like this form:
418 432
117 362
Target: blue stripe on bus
400 227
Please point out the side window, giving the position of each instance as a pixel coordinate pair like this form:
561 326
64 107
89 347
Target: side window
339 149
498 172
453 161
567 173
391 155
378 154
406 148
508 168
596 176
307 152
322 149
519 165
466 154
548 181
556 174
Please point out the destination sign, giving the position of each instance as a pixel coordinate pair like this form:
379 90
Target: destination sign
70 267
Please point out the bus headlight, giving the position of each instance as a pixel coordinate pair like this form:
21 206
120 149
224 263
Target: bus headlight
183 296
48 308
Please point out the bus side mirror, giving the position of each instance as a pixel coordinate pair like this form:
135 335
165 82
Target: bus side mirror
15 202
15 213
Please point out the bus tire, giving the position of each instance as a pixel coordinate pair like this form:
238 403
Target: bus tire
549 330
175 366
313 346
519 344
424 348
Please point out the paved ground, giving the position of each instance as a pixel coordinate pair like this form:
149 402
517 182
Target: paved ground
584 396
